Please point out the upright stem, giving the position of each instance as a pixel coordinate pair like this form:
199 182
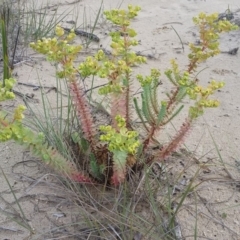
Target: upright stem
118 106
121 101
83 111
177 140
127 96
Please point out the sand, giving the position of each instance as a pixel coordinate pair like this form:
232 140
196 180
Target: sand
219 196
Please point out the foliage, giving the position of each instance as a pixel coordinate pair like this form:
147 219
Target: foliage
6 89
119 147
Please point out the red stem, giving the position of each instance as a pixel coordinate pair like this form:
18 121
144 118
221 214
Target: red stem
83 111
176 141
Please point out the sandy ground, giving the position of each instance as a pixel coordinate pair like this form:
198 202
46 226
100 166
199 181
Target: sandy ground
218 207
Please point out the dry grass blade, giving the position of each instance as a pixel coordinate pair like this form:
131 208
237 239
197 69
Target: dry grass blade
19 218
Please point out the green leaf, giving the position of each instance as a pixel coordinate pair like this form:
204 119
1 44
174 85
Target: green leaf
146 108
168 73
162 113
139 113
95 170
181 94
119 167
120 157
81 141
153 95
84 144
75 137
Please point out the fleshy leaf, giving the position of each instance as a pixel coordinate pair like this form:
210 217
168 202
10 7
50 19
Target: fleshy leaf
119 167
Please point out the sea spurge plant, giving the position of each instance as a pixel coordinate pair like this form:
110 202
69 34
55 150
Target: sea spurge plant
112 149
122 141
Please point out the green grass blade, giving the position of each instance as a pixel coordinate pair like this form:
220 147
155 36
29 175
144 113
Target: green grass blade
6 71
178 37
219 154
183 197
139 113
175 113
23 217
97 17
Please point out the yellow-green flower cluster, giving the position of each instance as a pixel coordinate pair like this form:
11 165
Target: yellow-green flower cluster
210 28
59 50
122 47
123 67
110 88
197 91
56 50
132 58
175 68
181 79
155 73
6 89
212 20
201 95
12 129
59 31
119 43
66 70
116 68
100 55
6 133
121 140
202 55
198 109
122 40
18 113
89 67
154 76
122 17
102 66
177 78
208 103
184 79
